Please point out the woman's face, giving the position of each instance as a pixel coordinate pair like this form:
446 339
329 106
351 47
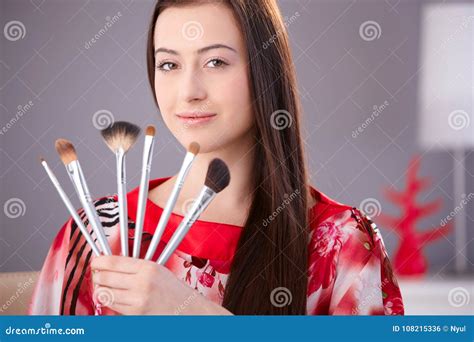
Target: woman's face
201 69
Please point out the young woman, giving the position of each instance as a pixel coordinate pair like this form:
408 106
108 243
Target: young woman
270 243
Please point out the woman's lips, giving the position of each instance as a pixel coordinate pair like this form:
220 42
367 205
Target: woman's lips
196 118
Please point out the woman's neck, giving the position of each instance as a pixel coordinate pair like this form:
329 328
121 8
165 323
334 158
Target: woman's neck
231 204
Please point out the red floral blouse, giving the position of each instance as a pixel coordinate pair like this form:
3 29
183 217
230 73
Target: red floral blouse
349 270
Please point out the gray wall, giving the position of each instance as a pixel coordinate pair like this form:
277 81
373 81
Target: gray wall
58 84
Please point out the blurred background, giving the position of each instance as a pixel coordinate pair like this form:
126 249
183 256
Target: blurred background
387 89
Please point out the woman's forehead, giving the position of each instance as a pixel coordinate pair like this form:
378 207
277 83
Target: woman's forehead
188 28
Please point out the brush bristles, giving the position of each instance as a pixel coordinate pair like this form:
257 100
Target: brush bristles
218 176
120 134
194 148
150 130
41 159
66 151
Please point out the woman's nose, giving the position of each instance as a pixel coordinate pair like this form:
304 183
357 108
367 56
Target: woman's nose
193 87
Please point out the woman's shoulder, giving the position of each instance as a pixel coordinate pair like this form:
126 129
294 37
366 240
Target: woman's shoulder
324 208
347 258
334 225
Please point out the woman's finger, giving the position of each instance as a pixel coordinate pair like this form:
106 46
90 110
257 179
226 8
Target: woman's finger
107 296
115 263
114 280
124 309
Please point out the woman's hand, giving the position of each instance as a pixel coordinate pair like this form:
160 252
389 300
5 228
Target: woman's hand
141 287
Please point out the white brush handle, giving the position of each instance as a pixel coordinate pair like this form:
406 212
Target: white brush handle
122 200
143 194
77 177
178 185
70 208
201 203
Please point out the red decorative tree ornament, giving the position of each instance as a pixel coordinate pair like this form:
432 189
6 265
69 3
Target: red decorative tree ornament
409 259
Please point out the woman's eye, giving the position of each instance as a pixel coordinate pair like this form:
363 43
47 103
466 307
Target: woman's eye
166 66
169 66
216 62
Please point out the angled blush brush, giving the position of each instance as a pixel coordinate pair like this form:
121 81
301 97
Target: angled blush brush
193 150
67 153
70 207
217 179
120 136
143 191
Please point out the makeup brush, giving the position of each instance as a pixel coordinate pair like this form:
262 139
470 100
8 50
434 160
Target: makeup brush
143 191
193 150
217 179
120 136
67 153
70 207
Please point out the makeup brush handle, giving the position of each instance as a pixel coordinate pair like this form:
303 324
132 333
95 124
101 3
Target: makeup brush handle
143 195
122 202
88 205
201 203
71 209
165 215
123 218
97 226
82 228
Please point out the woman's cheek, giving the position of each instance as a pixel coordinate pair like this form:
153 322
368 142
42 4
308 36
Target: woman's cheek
240 102
163 96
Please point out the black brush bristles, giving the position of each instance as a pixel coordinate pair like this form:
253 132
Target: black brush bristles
218 175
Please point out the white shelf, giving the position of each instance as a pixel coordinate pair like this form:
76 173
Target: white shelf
436 296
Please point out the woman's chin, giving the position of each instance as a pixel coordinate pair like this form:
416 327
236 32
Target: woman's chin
208 142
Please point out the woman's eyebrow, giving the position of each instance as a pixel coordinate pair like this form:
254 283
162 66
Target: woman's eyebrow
199 51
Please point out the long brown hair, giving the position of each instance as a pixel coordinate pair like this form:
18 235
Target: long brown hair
269 270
